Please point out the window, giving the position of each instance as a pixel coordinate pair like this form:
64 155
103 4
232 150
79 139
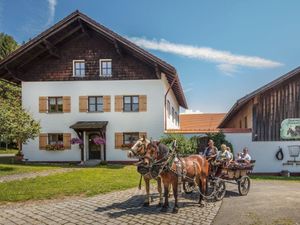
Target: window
130 138
168 108
55 104
105 67
241 124
173 114
78 68
131 103
55 139
176 118
246 122
95 103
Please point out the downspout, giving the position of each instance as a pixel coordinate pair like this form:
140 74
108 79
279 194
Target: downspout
165 114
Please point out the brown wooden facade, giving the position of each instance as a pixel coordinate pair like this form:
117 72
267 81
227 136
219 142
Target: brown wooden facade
50 56
266 108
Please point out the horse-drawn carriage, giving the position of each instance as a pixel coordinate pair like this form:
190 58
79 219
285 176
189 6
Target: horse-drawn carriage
194 172
222 173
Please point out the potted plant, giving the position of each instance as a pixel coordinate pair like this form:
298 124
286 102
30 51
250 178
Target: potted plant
75 141
99 140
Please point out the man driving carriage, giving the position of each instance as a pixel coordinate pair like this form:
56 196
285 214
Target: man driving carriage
210 151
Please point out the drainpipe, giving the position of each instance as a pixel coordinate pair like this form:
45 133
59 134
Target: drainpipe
165 114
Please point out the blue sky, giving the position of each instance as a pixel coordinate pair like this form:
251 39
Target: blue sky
222 50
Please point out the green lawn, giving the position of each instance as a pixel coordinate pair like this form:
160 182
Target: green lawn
9 169
294 178
86 182
8 151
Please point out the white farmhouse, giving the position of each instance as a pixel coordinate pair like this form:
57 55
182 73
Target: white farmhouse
81 80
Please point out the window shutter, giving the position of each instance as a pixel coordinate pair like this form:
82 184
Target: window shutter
118 103
67 140
43 138
43 104
106 103
143 103
118 140
142 134
66 104
83 103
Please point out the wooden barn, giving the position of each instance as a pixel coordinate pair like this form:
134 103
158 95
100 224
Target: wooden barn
269 119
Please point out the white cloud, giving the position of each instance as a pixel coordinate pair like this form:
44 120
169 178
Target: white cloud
227 61
190 111
187 90
51 7
228 69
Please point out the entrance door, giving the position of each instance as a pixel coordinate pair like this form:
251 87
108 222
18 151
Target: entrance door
94 150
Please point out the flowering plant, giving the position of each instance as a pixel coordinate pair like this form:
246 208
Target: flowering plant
99 140
75 141
55 147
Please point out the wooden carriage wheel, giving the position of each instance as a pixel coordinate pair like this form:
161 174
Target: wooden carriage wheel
244 185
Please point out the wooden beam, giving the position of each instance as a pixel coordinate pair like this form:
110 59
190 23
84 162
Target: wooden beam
83 28
157 71
12 73
117 47
51 48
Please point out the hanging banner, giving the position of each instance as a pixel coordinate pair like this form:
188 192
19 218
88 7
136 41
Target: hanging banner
290 129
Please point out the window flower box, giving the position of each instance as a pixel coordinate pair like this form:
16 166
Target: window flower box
126 146
55 147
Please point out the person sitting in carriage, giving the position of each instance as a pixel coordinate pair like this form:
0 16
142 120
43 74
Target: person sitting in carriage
210 151
224 155
246 156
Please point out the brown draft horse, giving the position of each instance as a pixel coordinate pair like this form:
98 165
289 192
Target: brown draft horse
139 150
195 167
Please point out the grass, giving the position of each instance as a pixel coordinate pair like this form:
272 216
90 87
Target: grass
86 182
10 169
293 178
8 151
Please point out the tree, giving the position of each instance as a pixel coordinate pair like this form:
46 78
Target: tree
7 45
16 123
185 146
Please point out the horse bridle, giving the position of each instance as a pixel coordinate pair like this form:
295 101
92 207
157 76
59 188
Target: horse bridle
135 152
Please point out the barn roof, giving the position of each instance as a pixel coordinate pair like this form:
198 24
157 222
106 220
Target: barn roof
199 123
242 101
72 25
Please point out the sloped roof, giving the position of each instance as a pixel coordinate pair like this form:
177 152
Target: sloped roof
199 123
242 101
86 125
59 31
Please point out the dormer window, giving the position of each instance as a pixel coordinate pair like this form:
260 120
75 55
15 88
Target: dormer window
105 68
78 68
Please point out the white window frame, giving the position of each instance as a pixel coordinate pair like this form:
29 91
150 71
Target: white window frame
75 61
100 67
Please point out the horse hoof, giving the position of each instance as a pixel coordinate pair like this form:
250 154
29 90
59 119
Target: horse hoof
175 210
159 205
146 204
164 209
201 205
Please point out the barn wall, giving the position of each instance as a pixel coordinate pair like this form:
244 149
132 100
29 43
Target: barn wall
273 107
264 152
246 111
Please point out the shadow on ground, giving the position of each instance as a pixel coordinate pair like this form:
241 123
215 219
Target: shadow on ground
134 205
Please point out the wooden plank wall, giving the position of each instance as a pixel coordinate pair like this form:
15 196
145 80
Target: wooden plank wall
273 107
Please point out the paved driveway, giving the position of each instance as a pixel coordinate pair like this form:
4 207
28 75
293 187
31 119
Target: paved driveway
124 207
268 203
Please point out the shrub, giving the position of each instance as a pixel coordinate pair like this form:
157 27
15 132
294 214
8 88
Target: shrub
185 146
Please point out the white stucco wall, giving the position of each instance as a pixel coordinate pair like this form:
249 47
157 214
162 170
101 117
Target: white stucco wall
264 152
171 123
151 121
